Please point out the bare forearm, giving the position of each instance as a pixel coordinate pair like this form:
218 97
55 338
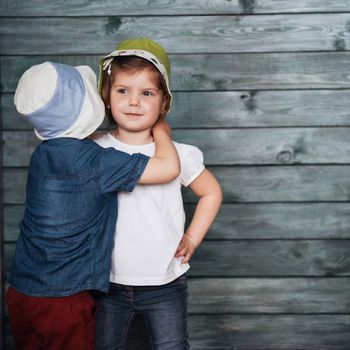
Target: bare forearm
207 188
166 151
164 166
204 215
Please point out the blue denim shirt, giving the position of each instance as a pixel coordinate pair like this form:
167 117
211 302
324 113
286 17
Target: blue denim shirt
67 232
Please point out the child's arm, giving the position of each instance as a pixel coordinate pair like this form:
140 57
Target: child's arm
210 197
165 165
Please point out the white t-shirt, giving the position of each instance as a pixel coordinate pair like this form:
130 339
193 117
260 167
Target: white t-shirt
151 221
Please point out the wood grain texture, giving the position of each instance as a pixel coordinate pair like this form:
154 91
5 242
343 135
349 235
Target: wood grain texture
306 295
272 258
262 258
262 87
269 295
230 147
262 332
270 146
165 7
245 184
282 183
258 332
12 217
197 34
242 109
251 221
260 108
280 221
221 72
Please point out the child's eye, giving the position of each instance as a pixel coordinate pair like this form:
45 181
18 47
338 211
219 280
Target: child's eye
147 93
121 91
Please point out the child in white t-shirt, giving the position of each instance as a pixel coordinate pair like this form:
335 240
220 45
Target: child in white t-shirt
151 251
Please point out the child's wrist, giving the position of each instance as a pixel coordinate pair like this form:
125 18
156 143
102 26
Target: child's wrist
192 239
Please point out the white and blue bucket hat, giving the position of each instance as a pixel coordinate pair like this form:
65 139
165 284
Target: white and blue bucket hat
60 100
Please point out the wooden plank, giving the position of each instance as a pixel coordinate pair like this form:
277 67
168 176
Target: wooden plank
11 119
272 332
268 146
251 221
260 108
200 34
259 332
9 342
311 295
237 147
18 147
20 64
261 71
281 184
2 257
9 253
321 70
279 221
12 217
264 295
262 258
245 184
237 109
272 258
269 295
164 7
14 185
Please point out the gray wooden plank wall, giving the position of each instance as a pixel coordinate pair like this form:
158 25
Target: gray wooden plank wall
262 87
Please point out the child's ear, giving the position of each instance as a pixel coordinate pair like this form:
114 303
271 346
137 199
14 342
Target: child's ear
164 106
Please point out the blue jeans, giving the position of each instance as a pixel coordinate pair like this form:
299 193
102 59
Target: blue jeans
164 309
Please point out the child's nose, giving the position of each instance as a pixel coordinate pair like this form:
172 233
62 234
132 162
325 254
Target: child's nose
134 102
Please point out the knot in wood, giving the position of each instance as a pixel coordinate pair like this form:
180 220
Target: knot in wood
286 156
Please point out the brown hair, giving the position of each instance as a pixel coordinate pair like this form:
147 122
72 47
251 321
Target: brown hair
128 64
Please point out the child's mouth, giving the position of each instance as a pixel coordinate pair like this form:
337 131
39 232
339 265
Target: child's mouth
133 115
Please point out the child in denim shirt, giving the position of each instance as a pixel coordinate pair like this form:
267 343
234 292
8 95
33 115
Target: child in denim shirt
66 235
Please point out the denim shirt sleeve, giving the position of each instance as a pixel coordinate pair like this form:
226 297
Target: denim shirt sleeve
120 171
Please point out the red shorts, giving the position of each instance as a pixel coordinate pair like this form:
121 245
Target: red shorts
39 323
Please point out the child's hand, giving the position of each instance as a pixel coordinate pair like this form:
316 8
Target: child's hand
162 125
186 248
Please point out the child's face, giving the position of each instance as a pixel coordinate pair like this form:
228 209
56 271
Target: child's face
136 100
